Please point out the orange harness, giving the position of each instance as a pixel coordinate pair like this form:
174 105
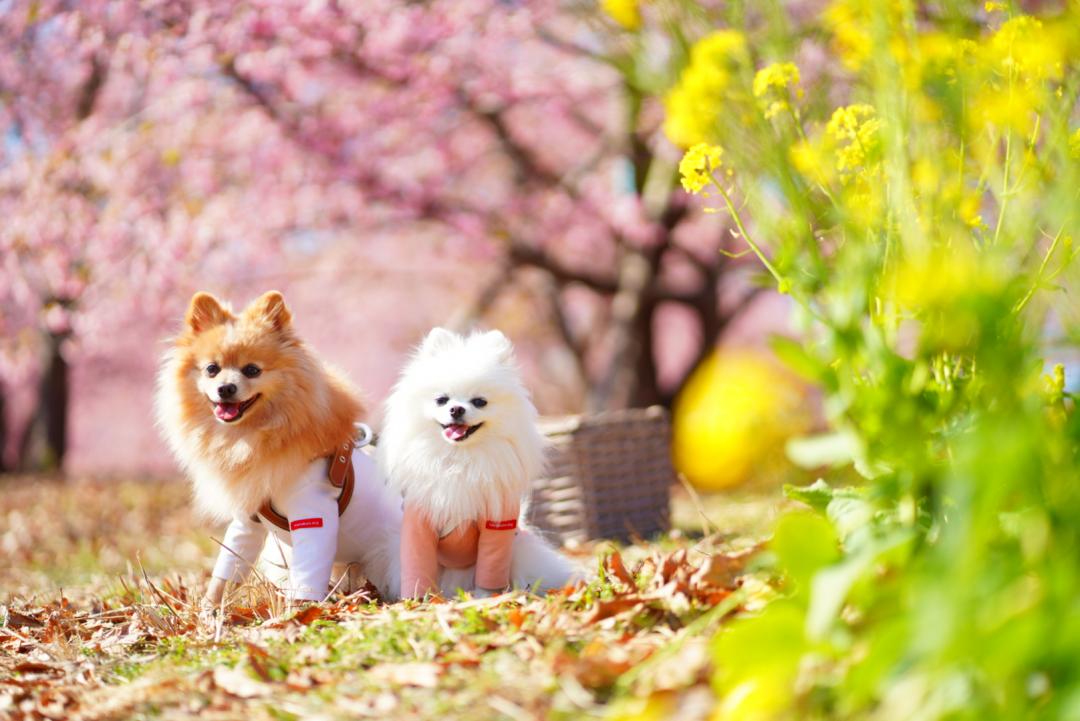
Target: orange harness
340 474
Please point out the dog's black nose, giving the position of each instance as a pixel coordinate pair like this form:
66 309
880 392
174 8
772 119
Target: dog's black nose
226 391
456 412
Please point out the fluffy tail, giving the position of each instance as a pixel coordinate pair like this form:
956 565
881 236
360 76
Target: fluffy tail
538 566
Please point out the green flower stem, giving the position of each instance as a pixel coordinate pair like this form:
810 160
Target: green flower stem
1005 173
1039 275
1004 186
783 282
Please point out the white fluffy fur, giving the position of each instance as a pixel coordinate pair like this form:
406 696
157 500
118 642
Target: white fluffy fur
458 482
455 482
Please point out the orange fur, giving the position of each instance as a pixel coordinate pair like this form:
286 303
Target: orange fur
304 409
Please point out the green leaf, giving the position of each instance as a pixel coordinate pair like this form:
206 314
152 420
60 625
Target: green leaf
804 543
796 357
849 514
757 660
828 590
830 449
817 495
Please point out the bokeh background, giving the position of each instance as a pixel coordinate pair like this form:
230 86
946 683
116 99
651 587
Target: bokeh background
389 166
655 199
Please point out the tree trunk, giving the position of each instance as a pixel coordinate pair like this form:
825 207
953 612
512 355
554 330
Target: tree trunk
3 430
630 312
646 390
45 440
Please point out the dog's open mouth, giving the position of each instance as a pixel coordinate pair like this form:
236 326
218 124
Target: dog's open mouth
458 432
231 412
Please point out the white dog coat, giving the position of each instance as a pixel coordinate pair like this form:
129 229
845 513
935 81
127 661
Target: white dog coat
364 533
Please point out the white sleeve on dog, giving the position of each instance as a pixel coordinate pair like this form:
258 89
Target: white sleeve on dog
312 511
239 549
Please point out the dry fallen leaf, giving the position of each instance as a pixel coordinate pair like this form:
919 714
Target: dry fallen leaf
308 615
672 563
57 656
682 668
423 675
600 664
37 668
617 569
721 569
257 658
607 609
303 679
236 682
17 620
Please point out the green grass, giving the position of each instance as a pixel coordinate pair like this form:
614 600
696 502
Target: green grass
520 656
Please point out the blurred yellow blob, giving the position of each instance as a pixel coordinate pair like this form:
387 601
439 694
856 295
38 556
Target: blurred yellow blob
624 12
731 419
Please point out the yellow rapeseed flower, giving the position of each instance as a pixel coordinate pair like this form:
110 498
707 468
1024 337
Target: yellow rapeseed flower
1074 144
1025 46
778 76
697 166
813 161
944 277
1016 109
968 211
844 125
855 130
849 23
1020 63
774 84
1054 383
625 12
694 105
723 48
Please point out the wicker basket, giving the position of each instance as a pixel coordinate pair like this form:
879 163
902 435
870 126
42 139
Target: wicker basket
609 476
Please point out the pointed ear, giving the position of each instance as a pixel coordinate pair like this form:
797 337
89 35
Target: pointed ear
270 308
438 340
204 312
496 343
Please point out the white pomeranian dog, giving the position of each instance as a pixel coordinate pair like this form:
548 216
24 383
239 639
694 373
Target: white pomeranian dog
460 444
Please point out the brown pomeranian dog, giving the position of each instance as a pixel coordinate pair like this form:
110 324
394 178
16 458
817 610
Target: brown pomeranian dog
258 421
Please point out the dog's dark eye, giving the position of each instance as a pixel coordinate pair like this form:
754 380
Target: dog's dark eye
213 369
479 402
251 370
442 400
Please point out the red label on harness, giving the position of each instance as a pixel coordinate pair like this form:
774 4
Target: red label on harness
501 525
306 523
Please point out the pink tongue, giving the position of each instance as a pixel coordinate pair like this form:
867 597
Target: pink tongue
456 432
227 411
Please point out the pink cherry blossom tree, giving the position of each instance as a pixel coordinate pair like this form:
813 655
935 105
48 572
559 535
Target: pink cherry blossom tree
146 143
104 213
531 134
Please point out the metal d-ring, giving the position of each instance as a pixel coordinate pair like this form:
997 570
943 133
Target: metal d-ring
364 434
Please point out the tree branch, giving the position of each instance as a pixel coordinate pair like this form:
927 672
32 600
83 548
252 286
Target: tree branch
574 49
577 348
522 254
255 93
466 318
91 89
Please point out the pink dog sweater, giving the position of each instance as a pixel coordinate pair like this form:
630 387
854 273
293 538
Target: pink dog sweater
485 543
